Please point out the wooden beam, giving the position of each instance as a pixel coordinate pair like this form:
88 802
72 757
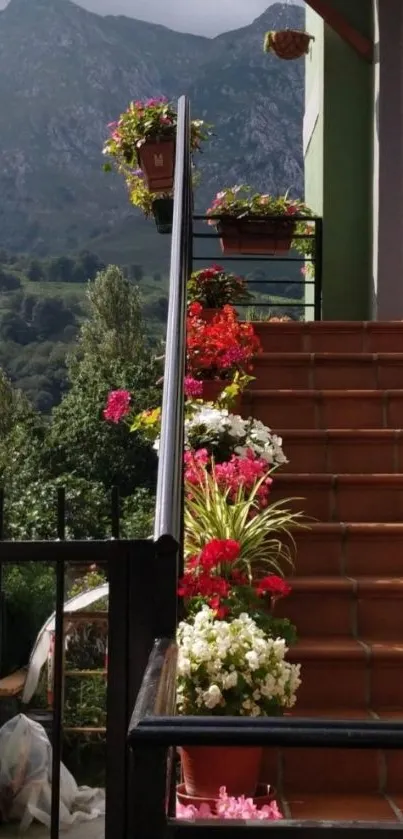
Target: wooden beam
362 45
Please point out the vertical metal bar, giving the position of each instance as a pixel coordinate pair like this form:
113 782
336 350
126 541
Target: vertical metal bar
115 513
2 602
116 703
318 269
58 672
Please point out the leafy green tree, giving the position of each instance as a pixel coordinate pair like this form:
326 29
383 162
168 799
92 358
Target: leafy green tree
35 272
112 353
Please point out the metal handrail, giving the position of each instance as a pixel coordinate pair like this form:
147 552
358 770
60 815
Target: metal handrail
169 500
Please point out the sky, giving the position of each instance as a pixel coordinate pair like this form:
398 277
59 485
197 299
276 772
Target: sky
210 17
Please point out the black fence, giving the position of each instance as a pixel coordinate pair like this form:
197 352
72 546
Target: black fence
276 285
137 573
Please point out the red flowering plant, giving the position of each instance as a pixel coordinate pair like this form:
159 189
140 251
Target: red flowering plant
235 504
214 288
221 348
241 472
215 577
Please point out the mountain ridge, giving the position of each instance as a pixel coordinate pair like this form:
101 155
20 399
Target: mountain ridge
66 72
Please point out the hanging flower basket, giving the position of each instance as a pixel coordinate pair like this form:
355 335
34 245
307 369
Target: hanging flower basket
157 160
162 209
248 236
288 44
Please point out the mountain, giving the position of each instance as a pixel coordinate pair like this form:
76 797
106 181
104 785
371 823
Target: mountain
66 72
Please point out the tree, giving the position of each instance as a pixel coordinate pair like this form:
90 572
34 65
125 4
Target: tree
50 316
35 272
136 273
112 352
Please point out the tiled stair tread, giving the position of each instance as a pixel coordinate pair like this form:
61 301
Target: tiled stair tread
341 807
333 480
340 714
303 358
343 648
370 586
331 336
362 529
329 497
333 393
342 434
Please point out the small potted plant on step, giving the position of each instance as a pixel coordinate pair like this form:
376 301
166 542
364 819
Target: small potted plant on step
255 223
214 288
218 350
288 44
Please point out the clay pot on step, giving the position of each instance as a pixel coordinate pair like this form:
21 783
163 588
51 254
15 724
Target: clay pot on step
212 389
249 236
207 768
157 160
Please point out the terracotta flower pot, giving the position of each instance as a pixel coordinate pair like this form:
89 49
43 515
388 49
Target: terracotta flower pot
208 314
157 160
264 796
288 44
163 209
247 236
212 388
207 768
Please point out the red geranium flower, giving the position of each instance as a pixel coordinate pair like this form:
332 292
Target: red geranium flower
273 585
218 551
117 406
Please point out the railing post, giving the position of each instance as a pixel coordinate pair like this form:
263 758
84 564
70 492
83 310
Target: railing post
318 268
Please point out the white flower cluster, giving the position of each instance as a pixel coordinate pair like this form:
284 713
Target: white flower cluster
233 668
215 427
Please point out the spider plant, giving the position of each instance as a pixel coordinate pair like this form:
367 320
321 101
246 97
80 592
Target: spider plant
265 535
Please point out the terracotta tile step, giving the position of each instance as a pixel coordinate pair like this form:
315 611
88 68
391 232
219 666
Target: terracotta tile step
331 336
323 770
348 673
315 409
343 450
354 371
341 606
342 807
354 498
362 549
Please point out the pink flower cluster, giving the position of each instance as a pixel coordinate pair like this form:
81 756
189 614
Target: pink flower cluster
193 388
228 807
117 406
239 471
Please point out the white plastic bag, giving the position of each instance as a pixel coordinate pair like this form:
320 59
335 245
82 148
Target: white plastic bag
26 777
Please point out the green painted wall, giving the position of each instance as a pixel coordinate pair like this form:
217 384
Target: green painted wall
338 164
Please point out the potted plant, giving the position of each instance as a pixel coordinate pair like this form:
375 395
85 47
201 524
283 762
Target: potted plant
222 434
144 136
253 223
217 350
214 288
213 511
287 43
229 667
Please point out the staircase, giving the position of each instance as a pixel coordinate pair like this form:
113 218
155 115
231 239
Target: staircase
334 392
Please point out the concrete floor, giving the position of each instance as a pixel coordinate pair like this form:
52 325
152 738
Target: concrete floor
84 830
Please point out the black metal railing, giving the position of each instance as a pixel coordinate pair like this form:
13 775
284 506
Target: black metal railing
136 602
314 240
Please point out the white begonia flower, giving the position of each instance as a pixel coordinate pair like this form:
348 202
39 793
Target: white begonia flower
212 697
